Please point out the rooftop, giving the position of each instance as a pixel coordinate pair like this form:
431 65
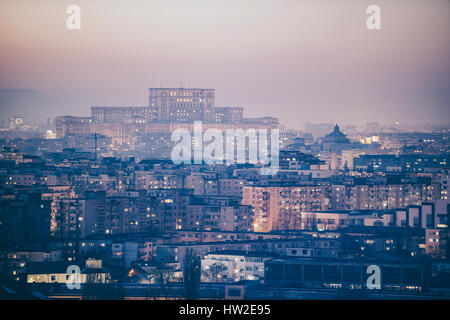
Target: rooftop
244 253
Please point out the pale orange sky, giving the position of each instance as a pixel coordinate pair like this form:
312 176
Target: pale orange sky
297 60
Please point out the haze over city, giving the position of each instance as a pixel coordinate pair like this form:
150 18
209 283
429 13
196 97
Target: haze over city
300 61
216 158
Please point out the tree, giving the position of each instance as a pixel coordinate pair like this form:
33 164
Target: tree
91 288
191 275
213 274
163 274
95 288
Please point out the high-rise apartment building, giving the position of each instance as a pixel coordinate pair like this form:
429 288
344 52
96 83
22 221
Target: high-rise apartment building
381 196
280 208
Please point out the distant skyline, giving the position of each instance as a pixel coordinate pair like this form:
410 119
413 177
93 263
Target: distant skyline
300 61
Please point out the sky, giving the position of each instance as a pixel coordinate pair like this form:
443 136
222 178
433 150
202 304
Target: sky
300 61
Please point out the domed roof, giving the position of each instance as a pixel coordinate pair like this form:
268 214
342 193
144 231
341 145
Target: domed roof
336 136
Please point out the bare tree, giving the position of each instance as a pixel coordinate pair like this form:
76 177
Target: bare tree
191 275
97 288
163 274
214 272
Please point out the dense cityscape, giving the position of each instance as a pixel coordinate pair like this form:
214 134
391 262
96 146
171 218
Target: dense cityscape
94 207
208 159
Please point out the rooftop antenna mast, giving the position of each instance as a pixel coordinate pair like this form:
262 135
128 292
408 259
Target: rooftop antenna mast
95 144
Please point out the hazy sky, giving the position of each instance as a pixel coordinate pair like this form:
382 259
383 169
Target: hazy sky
301 61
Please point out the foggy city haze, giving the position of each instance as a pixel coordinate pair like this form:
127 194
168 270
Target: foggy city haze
217 158
296 60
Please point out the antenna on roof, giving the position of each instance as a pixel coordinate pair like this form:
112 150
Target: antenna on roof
95 144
